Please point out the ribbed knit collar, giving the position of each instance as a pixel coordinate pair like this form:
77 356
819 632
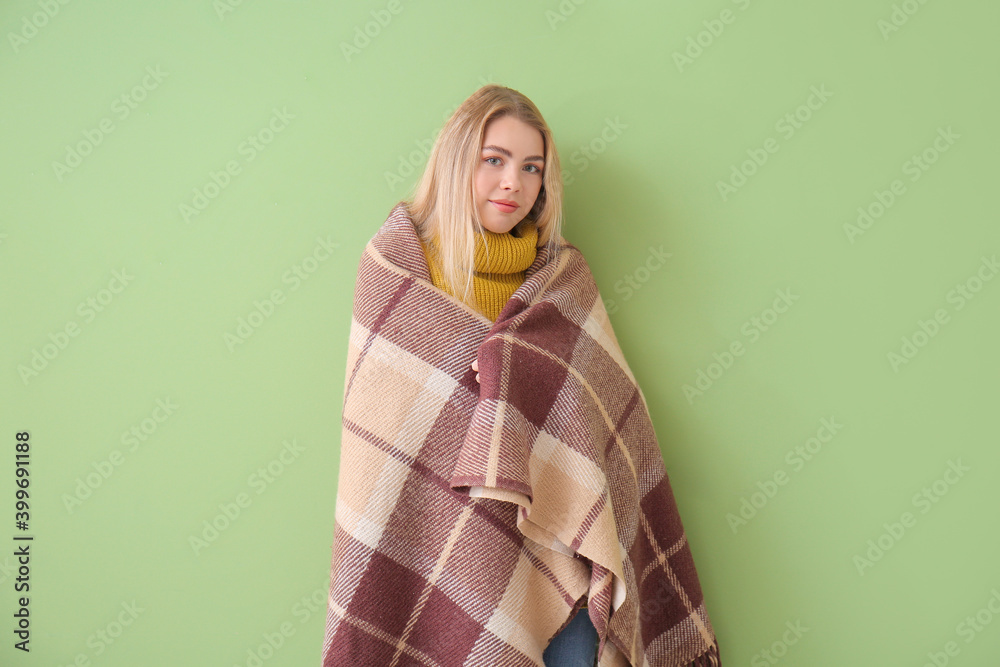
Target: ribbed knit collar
507 253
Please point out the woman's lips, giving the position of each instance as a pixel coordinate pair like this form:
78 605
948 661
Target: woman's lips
505 208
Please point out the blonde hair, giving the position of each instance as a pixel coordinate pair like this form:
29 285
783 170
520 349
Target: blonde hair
442 205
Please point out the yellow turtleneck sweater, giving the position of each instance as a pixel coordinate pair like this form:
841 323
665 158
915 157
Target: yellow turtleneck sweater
496 278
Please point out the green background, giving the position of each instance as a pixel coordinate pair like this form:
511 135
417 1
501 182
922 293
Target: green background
354 140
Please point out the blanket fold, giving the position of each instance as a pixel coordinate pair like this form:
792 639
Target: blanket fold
473 518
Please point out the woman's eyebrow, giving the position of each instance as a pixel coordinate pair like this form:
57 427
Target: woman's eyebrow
504 151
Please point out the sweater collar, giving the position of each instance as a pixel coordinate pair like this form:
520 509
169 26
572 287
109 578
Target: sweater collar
507 253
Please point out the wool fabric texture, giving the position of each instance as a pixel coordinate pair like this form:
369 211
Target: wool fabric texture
474 518
500 261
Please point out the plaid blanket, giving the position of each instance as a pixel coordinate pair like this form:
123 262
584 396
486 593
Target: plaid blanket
473 518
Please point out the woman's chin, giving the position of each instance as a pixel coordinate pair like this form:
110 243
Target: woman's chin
499 226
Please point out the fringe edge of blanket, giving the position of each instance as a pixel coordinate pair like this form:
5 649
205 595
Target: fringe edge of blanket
710 658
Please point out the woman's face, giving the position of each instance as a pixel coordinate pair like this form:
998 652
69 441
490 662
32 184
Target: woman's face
510 171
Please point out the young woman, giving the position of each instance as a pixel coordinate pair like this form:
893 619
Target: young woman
572 545
515 205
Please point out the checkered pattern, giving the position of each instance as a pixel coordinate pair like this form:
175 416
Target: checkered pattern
473 518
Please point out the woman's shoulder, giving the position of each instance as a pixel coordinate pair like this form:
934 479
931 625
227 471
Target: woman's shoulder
398 242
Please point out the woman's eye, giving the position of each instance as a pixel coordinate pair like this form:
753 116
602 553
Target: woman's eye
533 168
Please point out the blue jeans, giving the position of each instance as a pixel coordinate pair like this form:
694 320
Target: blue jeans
575 646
